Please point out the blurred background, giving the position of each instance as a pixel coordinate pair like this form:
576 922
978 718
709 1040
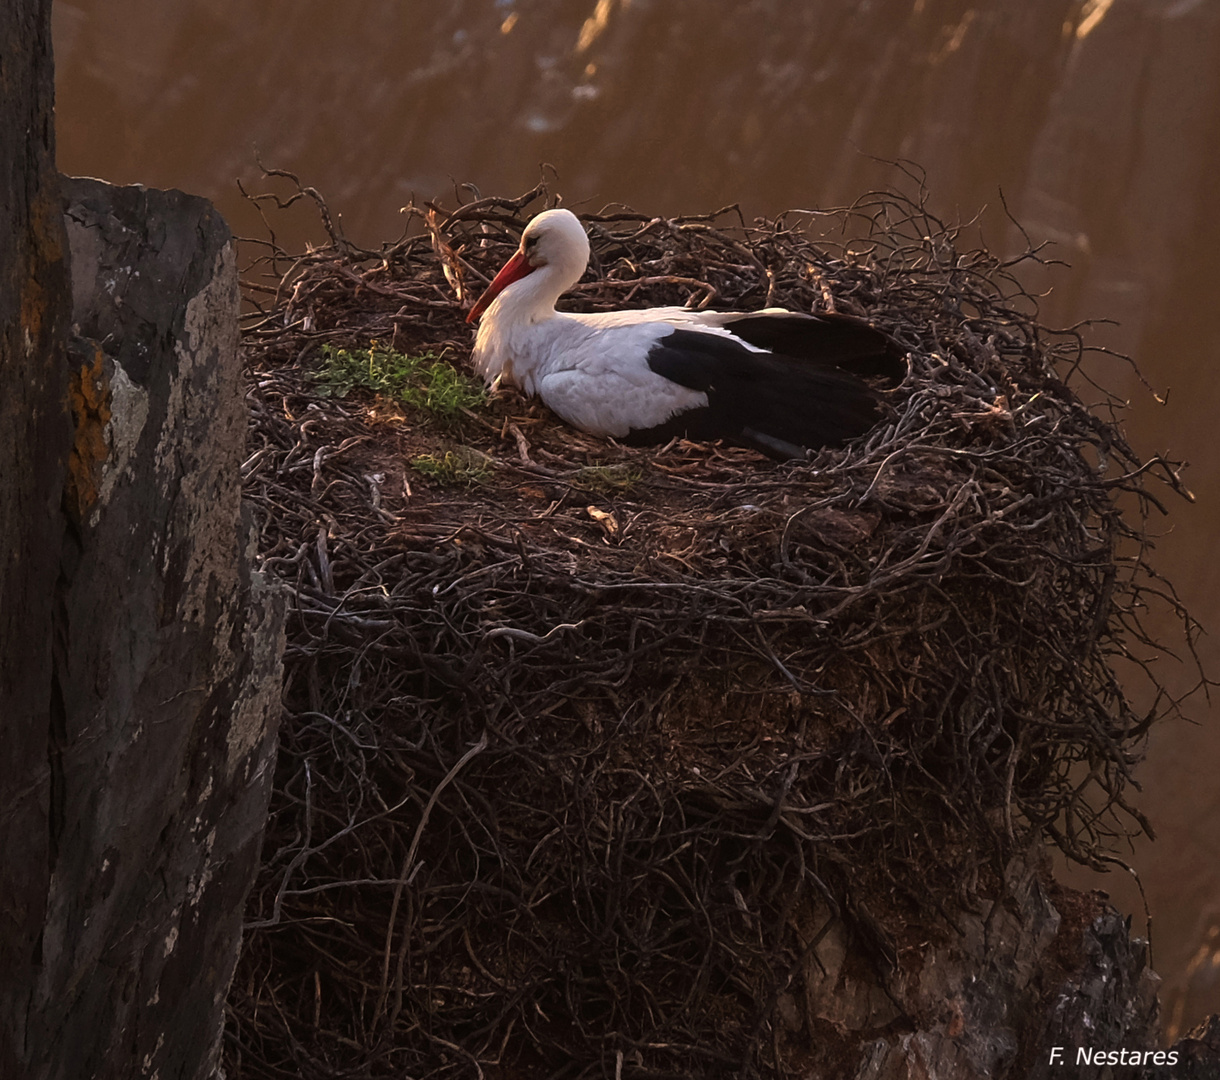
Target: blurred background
1098 121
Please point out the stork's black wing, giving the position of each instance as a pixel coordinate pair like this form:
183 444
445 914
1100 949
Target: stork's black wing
827 340
776 404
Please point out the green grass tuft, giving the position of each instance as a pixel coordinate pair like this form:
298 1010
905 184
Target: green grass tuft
607 479
424 382
460 466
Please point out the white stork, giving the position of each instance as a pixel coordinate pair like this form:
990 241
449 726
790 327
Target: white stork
776 380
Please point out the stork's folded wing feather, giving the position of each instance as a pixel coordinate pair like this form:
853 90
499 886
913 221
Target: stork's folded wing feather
791 403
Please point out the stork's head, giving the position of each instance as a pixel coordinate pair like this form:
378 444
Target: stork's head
554 240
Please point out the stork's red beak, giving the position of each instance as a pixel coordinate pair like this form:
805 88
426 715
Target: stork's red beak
514 270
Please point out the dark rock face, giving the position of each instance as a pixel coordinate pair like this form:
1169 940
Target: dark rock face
1024 973
139 655
34 437
1199 1052
166 652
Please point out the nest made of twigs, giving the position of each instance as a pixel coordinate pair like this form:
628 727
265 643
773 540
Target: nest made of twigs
570 755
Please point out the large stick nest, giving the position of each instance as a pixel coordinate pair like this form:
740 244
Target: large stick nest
567 751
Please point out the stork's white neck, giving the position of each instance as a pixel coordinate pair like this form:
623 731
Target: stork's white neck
532 299
503 346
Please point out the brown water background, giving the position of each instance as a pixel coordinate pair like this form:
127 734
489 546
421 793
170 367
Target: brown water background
1098 120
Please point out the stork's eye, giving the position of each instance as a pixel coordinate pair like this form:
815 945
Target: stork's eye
531 242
